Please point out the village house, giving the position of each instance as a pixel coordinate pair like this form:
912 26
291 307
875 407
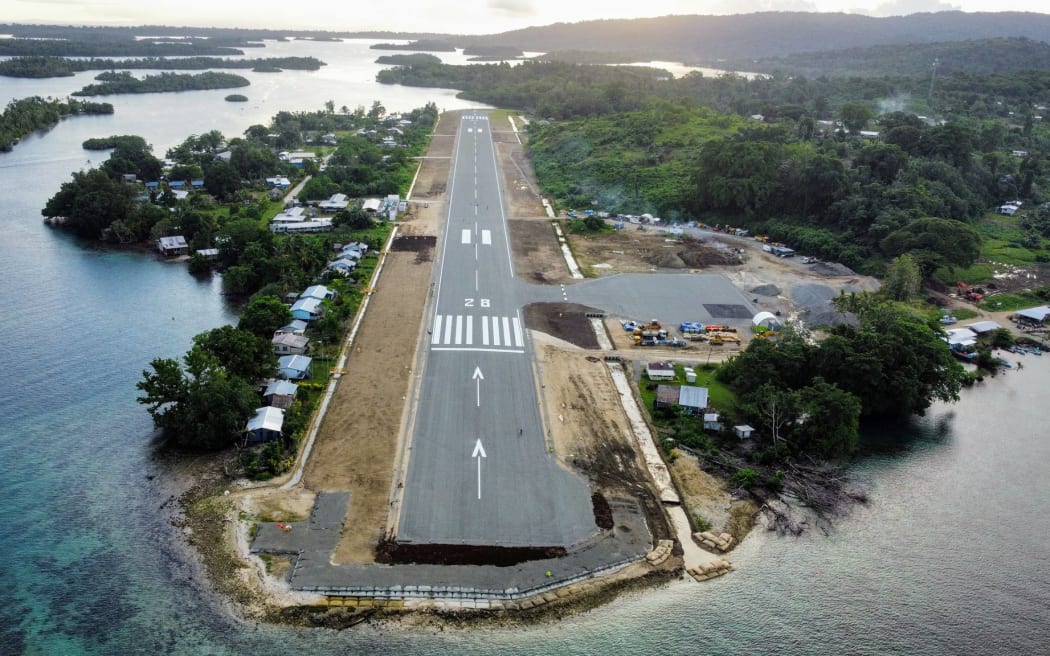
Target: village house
280 394
171 246
320 292
265 426
307 309
288 344
294 367
295 327
660 371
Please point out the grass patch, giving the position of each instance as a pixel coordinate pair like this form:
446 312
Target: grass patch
1016 300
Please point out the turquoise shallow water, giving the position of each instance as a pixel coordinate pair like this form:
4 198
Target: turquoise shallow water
950 556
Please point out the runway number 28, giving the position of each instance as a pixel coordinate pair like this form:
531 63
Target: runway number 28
482 302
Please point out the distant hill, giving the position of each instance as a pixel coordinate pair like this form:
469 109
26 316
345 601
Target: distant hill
708 39
984 57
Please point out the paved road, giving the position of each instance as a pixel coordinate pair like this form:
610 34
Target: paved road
479 472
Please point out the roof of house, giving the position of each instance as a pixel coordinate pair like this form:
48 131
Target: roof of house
311 305
294 362
692 397
266 418
371 204
961 337
1036 314
178 241
281 388
319 292
667 394
981 327
290 339
710 417
208 252
660 366
294 325
343 263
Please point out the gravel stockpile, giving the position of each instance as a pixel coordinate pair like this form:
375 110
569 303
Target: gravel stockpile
766 290
831 269
814 302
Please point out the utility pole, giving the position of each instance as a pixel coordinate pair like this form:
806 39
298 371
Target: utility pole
933 78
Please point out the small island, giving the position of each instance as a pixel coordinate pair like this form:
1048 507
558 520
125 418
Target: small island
424 45
43 67
113 83
236 97
24 116
417 59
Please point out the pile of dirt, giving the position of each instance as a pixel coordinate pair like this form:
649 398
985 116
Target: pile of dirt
421 245
602 511
665 259
566 321
766 290
462 554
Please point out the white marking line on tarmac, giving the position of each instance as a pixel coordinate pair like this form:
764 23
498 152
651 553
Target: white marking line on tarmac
476 350
435 336
486 237
466 236
448 330
470 329
475 251
475 280
495 331
506 331
485 331
518 341
459 329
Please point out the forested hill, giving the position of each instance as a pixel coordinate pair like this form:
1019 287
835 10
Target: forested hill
981 57
700 39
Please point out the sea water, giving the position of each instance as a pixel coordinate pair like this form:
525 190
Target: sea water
949 556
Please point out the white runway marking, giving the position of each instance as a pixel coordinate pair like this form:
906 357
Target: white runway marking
458 330
486 237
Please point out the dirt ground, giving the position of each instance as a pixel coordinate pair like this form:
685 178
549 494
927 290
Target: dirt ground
565 321
357 444
589 430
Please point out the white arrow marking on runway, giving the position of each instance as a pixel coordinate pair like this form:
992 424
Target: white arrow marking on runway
478 376
479 453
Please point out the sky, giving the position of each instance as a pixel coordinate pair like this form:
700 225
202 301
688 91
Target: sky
449 16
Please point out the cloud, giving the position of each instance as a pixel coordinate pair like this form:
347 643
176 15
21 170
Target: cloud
905 7
513 7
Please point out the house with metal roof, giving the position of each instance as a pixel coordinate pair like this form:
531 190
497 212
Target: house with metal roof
666 396
320 292
342 266
307 309
265 426
982 327
294 327
294 367
280 393
693 400
335 203
1036 314
176 245
660 371
288 344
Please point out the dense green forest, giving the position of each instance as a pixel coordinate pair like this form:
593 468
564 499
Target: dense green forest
40 67
426 45
27 115
415 59
984 57
128 48
113 83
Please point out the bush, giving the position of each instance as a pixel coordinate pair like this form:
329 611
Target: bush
745 478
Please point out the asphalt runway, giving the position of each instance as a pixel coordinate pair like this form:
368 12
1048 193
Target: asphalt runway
479 472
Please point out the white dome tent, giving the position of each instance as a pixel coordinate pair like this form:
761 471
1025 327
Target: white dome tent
766 320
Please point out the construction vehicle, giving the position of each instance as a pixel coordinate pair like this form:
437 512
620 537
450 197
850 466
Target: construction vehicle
691 327
722 338
695 337
767 334
719 328
970 292
762 238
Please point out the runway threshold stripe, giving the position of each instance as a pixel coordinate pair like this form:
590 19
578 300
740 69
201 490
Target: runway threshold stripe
495 331
435 335
518 341
485 331
448 330
506 330
459 329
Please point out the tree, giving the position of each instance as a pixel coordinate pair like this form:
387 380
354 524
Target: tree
241 353
90 202
221 179
904 279
935 242
264 315
855 116
202 407
829 419
776 407
329 106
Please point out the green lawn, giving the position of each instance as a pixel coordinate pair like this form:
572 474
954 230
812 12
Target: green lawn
718 395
